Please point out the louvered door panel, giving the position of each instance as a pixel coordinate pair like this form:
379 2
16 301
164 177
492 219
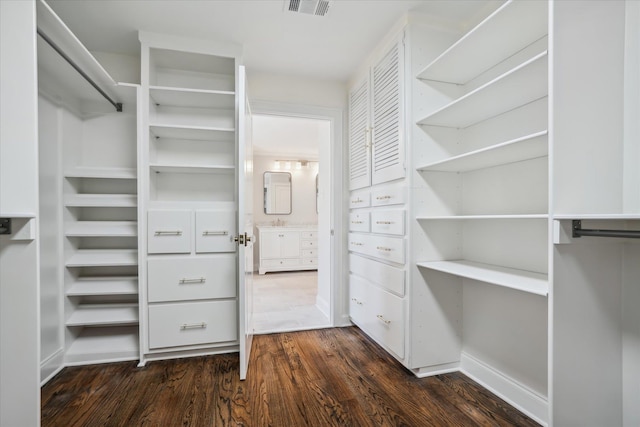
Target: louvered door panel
359 153
387 148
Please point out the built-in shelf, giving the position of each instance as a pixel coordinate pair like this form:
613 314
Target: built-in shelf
107 173
624 216
104 315
101 229
517 87
192 98
481 217
104 285
525 148
104 345
101 200
103 258
486 45
185 133
25 215
191 168
526 281
186 130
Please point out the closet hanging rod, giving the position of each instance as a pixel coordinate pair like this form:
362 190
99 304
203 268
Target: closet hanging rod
578 231
117 105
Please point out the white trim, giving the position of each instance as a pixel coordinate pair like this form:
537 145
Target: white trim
50 366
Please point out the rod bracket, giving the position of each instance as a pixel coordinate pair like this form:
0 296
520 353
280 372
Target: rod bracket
576 226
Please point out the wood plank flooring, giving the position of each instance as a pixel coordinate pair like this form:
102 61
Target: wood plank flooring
326 377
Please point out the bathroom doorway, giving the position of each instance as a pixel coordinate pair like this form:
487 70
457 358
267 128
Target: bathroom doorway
292 216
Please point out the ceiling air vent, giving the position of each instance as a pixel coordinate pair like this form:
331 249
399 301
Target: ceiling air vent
310 7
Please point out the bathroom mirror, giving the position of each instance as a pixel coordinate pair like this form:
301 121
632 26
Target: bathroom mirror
277 193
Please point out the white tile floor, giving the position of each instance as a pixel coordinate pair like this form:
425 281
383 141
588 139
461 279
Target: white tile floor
286 302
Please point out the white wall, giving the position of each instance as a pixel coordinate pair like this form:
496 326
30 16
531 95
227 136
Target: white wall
19 264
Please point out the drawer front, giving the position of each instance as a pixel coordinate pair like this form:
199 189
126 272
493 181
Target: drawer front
359 221
357 299
309 261
184 279
358 243
215 231
309 234
360 200
388 196
386 319
388 222
309 253
307 244
284 262
384 275
192 323
169 232
386 248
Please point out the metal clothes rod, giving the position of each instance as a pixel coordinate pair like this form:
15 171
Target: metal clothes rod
117 105
578 231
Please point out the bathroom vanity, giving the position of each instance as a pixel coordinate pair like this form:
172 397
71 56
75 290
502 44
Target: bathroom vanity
288 248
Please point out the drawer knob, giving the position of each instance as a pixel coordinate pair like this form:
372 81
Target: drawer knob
168 233
201 325
382 248
215 233
383 320
184 281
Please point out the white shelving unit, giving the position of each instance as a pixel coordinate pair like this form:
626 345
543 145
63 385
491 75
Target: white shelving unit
110 285
102 229
104 315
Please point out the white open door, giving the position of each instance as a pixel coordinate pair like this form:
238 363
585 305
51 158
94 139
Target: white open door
245 225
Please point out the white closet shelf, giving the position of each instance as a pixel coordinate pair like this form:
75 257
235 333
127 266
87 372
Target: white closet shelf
104 285
103 258
104 345
181 97
526 281
213 135
525 148
101 200
515 88
480 217
107 173
486 44
189 129
200 169
101 229
622 216
25 215
104 315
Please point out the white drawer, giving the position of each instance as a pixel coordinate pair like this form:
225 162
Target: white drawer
358 243
183 279
388 222
388 196
357 299
309 253
309 234
192 323
386 248
306 244
360 200
385 317
384 275
169 232
283 262
215 231
359 221
309 261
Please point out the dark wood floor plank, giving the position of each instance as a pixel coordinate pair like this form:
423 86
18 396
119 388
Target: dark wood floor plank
330 377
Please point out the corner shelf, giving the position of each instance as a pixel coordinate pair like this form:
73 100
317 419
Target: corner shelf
101 229
525 148
519 86
104 285
526 281
486 45
103 258
104 315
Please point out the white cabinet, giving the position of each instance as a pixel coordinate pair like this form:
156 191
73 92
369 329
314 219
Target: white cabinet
287 248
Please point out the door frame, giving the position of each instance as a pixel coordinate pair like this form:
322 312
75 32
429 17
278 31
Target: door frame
338 315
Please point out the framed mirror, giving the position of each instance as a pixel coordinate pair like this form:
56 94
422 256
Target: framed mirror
277 193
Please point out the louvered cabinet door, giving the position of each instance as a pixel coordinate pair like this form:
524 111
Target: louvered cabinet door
387 135
359 148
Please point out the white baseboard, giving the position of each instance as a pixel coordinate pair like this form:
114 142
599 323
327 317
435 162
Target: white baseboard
50 366
519 396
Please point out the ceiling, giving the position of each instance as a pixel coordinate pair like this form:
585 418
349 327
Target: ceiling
275 40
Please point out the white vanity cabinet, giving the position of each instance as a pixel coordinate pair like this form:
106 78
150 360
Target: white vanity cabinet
287 248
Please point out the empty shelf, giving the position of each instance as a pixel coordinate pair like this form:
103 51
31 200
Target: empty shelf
519 86
108 173
101 229
101 200
179 97
622 216
86 286
481 217
526 281
104 315
103 258
486 44
196 134
98 345
192 168
525 148
187 128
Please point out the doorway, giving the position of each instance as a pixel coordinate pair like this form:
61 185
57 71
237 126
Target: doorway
292 284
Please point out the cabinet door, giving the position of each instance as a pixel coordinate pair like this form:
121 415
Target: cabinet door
290 241
387 157
269 245
359 147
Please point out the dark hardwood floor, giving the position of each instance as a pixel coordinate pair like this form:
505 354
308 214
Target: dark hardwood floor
328 377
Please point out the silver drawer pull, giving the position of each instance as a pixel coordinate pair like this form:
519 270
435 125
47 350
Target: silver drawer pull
357 222
201 325
383 320
356 301
357 244
382 248
215 233
358 200
188 281
384 222
168 233
383 197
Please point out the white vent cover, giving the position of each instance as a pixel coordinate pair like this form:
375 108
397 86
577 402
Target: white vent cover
310 7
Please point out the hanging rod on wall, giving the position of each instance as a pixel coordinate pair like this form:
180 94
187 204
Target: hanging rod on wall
117 105
578 231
